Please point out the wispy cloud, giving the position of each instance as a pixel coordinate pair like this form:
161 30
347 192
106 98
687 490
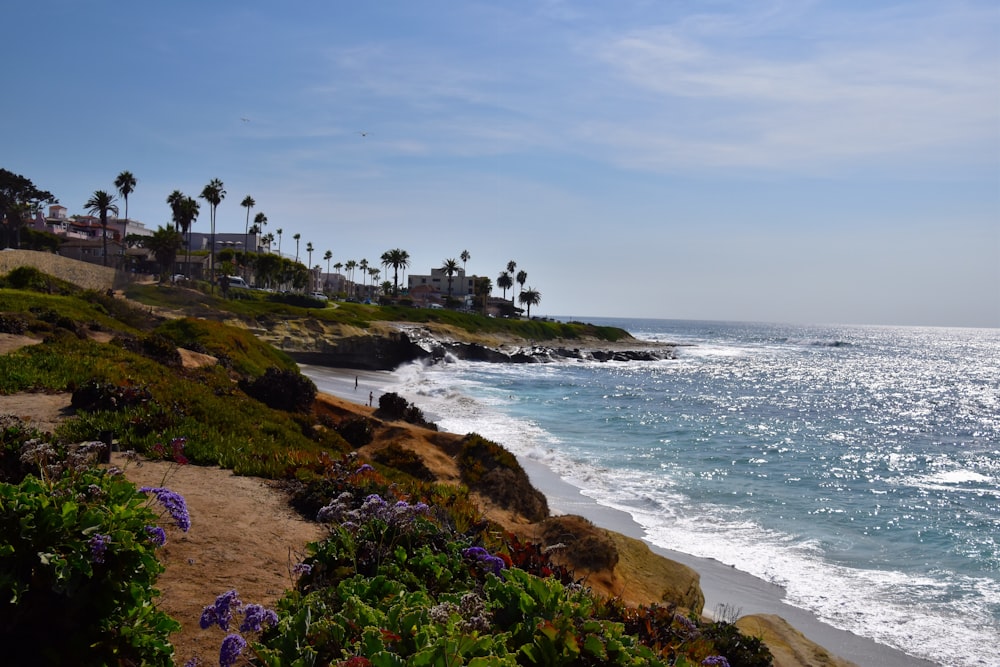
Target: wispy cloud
891 89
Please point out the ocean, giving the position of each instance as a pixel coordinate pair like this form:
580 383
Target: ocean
858 468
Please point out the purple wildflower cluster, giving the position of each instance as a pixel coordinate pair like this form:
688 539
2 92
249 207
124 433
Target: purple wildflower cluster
156 535
492 563
398 515
98 547
716 661
173 503
221 612
232 646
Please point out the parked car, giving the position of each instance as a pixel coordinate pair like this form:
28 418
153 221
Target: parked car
237 281
320 296
178 278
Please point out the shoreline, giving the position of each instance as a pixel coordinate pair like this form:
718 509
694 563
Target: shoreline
722 585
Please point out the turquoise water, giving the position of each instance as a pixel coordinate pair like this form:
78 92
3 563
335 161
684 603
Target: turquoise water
857 467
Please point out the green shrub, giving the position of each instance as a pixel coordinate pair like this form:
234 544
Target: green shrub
357 431
392 406
12 323
490 469
405 460
77 570
282 390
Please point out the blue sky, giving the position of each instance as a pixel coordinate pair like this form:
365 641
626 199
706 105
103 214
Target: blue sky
819 162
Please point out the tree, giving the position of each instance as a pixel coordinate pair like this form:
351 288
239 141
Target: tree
483 287
247 203
100 203
18 197
350 266
279 231
174 200
328 255
213 193
522 277
309 252
164 244
505 282
125 182
531 297
363 265
397 259
261 221
186 214
465 257
450 268
296 237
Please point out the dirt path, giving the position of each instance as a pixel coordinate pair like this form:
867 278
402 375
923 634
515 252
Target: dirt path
243 535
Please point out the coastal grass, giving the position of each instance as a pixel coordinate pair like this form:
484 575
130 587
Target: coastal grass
264 307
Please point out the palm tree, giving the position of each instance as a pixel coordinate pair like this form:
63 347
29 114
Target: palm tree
465 257
522 277
504 282
328 255
174 199
164 244
260 220
309 251
125 182
102 202
511 265
374 273
279 231
531 297
363 265
297 237
350 266
450 268
483 287
213 193
247 203
187 213
397 259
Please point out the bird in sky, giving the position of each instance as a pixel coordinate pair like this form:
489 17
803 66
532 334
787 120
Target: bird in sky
245 120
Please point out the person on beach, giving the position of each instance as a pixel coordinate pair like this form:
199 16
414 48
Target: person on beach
371 398
355 383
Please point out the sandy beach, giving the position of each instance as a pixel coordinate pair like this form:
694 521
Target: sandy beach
723 586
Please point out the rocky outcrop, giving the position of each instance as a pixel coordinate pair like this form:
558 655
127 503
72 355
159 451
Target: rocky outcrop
313 342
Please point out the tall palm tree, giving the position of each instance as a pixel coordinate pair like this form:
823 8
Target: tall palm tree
187 213
247 203
363 265
296 237
125 182
465 257
164 244
511 265
397 259
260 220
213 193
483 287
328 255
531 297
279 231
309 252
504 282
374 273
522 277
350 266
450 268
174 200
101 202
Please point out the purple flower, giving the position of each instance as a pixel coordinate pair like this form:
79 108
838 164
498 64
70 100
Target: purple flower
173 503
302 568
482 556
220 613
716 660
255 617
98 546
156 535
193 662
232 646
364 468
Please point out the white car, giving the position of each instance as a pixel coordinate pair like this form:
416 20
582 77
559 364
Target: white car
320 296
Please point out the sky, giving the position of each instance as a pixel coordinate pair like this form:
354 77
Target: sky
826 162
